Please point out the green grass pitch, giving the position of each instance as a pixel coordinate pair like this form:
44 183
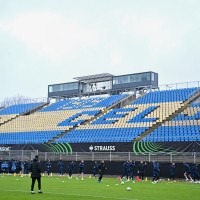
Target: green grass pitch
56 188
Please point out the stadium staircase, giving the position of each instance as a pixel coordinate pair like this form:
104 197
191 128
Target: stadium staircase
12 118
184 106
125 101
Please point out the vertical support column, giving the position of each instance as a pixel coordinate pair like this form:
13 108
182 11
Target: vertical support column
194 157
149 157
171 160
45 156
92 156
22 155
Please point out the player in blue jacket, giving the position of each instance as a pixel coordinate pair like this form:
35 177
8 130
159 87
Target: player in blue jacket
48 167
156 172
81 170
60 166
172 172
125 170
26 167
95 168
10 166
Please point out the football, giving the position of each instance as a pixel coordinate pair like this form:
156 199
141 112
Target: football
128 189
122 183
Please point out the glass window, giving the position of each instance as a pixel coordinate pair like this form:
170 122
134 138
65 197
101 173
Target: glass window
121 80
152 77
133 78
126 79
70 86
50 88
143 77
148 76
59 87
139 77
115 81
65 86
75 86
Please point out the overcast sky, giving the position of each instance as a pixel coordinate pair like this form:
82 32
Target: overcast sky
52 41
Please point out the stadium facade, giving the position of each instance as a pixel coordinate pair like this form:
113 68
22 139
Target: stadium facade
106 117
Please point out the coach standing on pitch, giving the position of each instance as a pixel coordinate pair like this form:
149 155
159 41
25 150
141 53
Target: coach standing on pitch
35 174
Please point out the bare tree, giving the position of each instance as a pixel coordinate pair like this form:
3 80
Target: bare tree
19 99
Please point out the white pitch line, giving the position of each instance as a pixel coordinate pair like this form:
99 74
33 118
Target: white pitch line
103 197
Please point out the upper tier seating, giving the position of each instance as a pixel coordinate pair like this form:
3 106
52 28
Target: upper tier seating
57 117
14 110
77 104
19 109
131 121
184 127
177 95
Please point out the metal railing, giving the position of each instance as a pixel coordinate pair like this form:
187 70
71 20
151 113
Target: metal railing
192 157
172 86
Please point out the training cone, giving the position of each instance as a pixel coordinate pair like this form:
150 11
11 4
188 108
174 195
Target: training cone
51 174
42 174
119 178
146 179
138 178
90 176
14 174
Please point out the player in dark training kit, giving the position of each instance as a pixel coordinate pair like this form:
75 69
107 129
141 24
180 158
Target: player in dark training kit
95 169
156 172
125 170
101 168
141 169
187 172
48 167
60 166
26 167
172 172
71 167
132 170
195 173
81 169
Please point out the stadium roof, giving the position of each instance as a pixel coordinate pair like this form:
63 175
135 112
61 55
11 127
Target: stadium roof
95 78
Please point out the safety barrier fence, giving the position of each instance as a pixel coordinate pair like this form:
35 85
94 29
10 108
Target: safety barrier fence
178 157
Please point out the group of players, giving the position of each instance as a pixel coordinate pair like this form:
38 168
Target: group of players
129 170
14 166
191 172
98 168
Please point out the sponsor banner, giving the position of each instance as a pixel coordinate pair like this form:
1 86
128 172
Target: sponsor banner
136 147
102 148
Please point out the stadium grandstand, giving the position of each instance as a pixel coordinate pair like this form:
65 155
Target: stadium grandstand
130 113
